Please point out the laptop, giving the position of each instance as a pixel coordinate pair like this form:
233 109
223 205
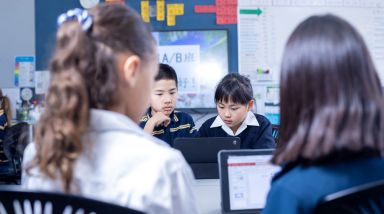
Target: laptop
201 153
245 177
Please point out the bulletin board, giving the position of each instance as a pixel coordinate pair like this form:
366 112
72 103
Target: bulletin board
271 22
265 25
47 12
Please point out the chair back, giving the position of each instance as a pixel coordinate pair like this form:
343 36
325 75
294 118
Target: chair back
16 139
15 200
367 198
275 133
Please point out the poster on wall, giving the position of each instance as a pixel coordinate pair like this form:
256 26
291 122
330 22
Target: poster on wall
24 71
272 104
267 101
42 79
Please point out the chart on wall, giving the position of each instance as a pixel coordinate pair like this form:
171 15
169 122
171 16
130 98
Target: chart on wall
264 27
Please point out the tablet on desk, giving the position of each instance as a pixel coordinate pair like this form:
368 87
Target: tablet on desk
245 177
201 153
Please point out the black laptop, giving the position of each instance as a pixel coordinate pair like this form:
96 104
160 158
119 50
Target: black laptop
201 153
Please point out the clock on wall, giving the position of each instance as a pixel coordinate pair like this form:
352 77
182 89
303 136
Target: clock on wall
89 3
26 94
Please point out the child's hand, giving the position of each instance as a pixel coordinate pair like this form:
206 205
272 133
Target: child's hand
161 119
157 119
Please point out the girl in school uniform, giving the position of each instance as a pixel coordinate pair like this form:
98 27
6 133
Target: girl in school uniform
5 123
332 117
234 102
5 114
87 140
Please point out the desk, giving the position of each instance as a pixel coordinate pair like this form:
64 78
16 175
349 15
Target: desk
208 196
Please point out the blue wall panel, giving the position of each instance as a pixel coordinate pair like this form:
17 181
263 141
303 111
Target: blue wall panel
47 12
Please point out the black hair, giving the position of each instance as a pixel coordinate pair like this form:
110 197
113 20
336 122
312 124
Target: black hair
234 87
166 72
331 99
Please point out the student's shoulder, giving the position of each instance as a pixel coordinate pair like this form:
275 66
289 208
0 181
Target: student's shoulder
183 116
140 154
208 122
141 144
144 118
160 153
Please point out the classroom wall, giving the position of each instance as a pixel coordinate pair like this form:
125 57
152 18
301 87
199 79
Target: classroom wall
48 10
17 24
46 15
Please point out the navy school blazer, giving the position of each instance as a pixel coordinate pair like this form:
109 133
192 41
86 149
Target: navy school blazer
253 137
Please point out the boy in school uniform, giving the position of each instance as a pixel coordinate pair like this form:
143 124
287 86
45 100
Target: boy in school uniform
161 119
234 101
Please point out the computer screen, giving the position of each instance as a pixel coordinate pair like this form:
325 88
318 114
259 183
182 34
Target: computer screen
249 180
200 58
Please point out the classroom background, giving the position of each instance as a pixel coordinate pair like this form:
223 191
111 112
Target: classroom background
202 39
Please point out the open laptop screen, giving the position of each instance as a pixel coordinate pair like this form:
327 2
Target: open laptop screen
245 178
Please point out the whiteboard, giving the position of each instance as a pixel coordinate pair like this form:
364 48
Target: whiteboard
265 25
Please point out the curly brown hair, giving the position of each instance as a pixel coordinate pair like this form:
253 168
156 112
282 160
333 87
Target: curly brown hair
83 76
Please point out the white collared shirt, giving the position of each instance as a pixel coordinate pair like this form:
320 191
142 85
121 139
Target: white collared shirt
122 164
250 120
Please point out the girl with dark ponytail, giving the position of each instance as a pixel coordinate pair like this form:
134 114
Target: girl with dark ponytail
332 118
87 140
